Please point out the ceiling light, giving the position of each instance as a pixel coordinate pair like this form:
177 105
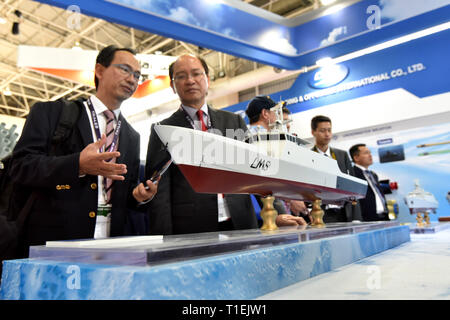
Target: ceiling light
15 27
77 46
7 91
387 44
394 42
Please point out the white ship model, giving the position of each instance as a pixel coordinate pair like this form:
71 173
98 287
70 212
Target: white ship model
420 200
267 163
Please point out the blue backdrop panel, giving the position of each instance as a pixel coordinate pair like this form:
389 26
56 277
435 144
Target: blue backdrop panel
252 33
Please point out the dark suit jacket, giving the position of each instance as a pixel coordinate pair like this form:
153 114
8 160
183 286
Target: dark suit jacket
60 213
177 208
368 204
349 211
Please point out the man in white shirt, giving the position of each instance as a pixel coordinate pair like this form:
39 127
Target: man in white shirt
321 130
373 206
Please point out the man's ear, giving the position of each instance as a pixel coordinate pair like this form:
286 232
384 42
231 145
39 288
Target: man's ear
172 85
99 69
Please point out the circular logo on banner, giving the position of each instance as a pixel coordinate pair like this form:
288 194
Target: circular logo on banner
328 76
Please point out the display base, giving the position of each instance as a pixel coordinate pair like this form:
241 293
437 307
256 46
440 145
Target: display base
243 274
432 228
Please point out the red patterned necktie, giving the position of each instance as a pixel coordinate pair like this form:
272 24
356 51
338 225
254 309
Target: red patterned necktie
200 117
108 183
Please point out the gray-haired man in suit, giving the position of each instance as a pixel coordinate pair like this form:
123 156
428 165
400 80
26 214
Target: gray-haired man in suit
322 133
177 208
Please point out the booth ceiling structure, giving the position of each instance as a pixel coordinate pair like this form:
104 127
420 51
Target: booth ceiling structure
49 26
288 34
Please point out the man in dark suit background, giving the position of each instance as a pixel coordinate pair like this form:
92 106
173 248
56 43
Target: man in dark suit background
373 206
71 189
321 130
177 208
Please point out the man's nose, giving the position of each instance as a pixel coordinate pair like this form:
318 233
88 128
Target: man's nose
131 79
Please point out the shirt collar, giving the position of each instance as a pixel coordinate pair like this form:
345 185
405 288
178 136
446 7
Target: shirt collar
257 128
361 167
99 107
192 112
328 152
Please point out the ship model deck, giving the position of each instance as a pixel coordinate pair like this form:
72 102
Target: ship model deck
272 162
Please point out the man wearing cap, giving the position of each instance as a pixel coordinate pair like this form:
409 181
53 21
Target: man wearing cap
260 117
177 208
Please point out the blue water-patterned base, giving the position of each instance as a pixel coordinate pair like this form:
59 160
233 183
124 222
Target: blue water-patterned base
242 275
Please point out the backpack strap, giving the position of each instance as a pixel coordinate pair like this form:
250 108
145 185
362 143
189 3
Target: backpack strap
69 116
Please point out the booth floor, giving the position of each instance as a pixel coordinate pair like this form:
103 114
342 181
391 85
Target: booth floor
414 270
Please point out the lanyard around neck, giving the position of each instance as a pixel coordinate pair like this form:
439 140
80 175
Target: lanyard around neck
191 121
97 127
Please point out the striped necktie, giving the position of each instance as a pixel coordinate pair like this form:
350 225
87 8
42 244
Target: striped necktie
110 117
369 175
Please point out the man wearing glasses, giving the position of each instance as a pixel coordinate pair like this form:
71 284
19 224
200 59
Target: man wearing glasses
87 185
177 208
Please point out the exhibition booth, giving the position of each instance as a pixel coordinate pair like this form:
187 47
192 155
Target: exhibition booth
383 84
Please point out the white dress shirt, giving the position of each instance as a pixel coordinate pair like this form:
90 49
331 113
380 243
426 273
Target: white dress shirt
223 211
103 224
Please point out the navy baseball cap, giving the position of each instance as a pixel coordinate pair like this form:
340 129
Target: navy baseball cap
257 104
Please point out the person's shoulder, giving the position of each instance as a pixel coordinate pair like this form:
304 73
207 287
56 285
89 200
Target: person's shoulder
224 113
173 118
357 169
48 108
340 152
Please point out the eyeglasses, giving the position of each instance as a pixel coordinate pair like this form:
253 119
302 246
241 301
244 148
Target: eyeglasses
182 76
126 70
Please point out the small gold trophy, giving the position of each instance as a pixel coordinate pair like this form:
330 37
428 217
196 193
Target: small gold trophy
419 220
268 214
317 214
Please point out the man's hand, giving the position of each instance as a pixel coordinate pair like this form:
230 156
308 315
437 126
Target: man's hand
141 193
94 163
299 208
288 220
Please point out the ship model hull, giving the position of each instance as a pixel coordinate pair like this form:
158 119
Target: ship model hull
279 167
420 201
